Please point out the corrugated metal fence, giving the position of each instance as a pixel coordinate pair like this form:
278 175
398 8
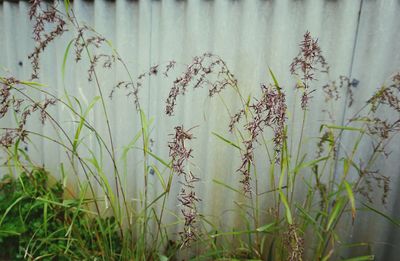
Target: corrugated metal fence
359 38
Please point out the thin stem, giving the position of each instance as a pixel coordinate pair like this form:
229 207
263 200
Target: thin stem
117 176
298 154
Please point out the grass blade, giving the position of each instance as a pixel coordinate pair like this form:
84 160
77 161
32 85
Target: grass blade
352 200
226 186
275 80
159 176
233 233
361 258
391 220
267 228
309 164
10 207
66 50
335 213
167 165
34 84
337 127
271 250
82 121
66 5
287 208
226 140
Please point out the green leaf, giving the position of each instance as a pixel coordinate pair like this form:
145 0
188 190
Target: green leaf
64 205
351 198
78 103
266 228
155 200
10 207
306 215
226 186
360 258
35 84
66 5
130 145
9 232
45 218
335 213
393 221
337 127
82 121
274 79
159 176
243 232
309 163
159 159
67 234
65 54
287 208
310 219
271 250
226 140
346 166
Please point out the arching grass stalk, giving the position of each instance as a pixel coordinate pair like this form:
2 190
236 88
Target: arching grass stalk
145 143
113 159
75 113
58 127
102 181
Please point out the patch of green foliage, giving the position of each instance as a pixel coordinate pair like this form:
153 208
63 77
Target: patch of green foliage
36 221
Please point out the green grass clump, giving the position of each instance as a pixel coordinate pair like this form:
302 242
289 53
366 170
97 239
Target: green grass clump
37 222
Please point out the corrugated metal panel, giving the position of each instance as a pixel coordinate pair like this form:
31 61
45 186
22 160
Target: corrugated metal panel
376 57
359 38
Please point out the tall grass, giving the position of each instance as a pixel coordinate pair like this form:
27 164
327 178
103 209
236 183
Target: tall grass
101 222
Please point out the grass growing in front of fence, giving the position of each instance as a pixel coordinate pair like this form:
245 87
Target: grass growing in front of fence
42 221
96 218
